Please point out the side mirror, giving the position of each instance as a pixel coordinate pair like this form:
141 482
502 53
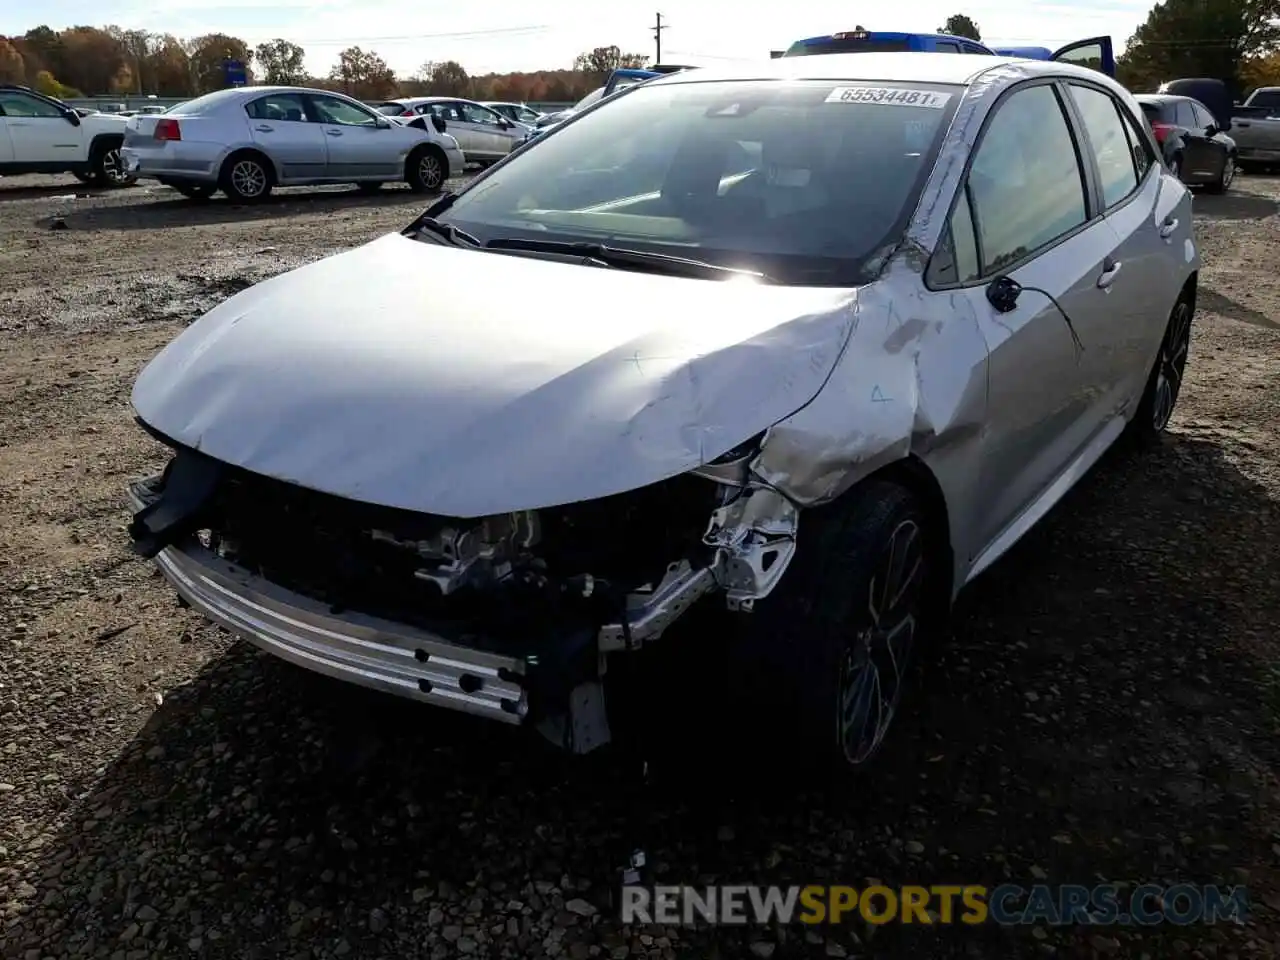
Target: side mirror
382 123
1211 130
1003 293
439 123
73 118
504 123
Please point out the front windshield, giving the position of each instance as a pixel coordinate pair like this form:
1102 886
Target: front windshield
808 182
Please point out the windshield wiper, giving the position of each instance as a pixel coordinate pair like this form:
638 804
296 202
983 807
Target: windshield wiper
624 258
446 231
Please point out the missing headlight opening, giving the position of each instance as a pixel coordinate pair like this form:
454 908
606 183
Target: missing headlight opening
544 594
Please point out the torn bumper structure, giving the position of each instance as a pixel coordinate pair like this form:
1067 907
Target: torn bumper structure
513 617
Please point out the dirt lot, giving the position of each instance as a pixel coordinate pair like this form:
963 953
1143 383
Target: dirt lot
1107 711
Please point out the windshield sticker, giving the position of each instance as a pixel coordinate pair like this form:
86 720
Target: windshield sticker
889 97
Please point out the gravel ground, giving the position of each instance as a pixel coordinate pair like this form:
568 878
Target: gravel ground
1107 710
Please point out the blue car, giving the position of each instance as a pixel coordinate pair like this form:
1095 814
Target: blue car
1097 53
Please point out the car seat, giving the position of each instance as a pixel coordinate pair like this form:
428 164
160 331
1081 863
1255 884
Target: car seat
691 189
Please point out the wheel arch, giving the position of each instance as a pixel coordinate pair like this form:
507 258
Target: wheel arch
425 146
104 141
241 149
912 473
1190 287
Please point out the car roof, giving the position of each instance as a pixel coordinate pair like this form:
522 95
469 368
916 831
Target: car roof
232 93
428 100
903 67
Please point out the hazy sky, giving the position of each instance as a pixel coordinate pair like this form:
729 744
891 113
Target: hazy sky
549 33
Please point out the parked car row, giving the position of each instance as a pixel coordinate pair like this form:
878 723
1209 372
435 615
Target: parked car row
485 134
245 141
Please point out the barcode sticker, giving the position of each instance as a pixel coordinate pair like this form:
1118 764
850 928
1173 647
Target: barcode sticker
890 97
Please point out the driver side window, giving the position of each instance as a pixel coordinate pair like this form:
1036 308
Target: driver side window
333 110
473 114
1026 187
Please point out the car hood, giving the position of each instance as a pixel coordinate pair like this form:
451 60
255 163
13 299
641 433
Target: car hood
404 373
106 120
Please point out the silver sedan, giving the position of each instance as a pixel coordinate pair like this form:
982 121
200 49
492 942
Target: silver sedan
247 140
485 135
831 334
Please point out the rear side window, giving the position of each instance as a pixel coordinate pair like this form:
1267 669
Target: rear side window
278 106
1108 141
947 46
1151 111
1025 183
1185 115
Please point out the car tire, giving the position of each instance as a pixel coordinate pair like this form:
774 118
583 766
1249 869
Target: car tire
824 651
1226 178
426 170
1164 382
246 177
106 166
195 191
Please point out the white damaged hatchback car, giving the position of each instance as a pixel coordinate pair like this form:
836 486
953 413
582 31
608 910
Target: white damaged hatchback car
830 334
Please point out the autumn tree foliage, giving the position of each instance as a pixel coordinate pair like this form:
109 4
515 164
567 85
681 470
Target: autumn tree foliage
602 61
961 25
84 60
280 62
1260 71
208 56
445 79
12 66
364 74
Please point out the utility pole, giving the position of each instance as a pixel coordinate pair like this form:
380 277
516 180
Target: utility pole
658 27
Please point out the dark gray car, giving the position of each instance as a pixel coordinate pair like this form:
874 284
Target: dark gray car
1194 146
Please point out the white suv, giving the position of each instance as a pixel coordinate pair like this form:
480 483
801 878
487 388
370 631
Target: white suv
39 134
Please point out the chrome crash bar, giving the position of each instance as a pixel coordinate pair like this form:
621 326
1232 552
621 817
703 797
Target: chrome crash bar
368 651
